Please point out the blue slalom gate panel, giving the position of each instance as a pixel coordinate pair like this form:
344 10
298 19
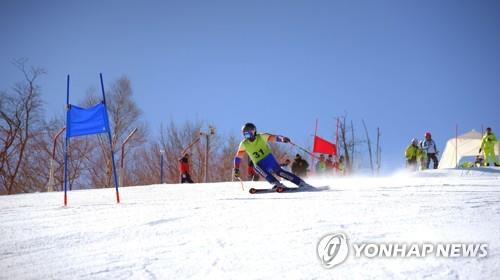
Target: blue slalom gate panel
86 121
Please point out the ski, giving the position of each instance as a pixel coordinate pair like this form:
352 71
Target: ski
254 190
285 189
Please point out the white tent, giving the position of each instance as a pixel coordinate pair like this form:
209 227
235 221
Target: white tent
466 145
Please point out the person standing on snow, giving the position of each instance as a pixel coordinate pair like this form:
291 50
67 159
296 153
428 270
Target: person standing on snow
341 166
421 155
329 165
411 155
430 148
184 169
321 166
479 161
488 146
255 145
299 166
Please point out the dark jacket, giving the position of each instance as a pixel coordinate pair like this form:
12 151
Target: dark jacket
299 167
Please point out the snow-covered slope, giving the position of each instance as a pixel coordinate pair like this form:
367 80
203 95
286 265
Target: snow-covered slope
218 231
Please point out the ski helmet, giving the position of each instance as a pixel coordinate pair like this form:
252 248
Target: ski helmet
427 135
249 130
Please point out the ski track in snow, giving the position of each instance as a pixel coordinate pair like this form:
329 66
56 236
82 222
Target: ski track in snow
218 231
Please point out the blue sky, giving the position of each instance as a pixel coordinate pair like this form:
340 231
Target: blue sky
405 66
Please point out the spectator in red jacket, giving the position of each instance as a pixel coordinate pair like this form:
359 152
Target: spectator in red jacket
184 169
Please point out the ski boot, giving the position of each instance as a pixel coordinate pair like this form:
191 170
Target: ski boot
279 188
304 185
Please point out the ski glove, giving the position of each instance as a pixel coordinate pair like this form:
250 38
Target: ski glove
283 139
236 173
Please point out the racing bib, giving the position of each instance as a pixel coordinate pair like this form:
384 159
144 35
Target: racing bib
258 149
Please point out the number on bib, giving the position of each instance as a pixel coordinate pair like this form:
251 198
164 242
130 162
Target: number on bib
258 154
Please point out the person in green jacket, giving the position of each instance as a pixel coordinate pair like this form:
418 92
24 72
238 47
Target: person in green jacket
422 155
488 146
411 155
321 166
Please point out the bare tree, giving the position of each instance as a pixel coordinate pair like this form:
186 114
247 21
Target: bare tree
20 113
348 143
378 152
146 166
345 143
369 145
352 146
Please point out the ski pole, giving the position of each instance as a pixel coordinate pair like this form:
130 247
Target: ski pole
241 181
304 150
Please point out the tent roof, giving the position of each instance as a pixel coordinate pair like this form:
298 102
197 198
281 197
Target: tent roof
471 135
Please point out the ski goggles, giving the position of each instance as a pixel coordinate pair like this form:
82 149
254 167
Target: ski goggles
249 134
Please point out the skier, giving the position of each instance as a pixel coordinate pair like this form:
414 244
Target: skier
411 155
488 146
184 169
255 145
430 148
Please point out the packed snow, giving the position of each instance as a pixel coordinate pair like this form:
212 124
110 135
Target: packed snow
219 231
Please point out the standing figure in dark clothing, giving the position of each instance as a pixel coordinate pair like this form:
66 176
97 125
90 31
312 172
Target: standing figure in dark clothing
299 166
430 148
184 169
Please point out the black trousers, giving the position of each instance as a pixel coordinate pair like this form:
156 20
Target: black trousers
186 178
434 160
